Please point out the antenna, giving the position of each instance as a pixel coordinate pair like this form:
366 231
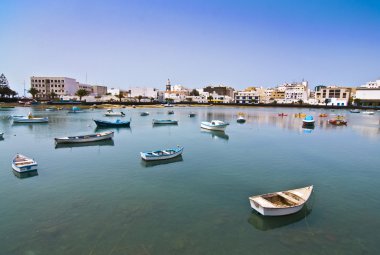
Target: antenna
24 88
86 77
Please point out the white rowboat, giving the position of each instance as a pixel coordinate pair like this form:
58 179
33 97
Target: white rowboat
85 138
217 125
162 154
23 164
281 203
30 120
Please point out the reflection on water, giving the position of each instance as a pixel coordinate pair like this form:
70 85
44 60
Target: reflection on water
25 175
108 142
161 162
265 223
216 134
115 129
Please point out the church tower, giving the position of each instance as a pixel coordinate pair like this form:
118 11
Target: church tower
168 86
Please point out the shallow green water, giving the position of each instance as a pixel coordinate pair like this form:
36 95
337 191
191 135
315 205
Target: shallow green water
102 199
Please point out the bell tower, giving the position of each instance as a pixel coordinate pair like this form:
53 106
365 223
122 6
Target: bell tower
168 86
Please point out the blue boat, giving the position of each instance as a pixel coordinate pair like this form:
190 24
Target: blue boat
76 109
116 123
162 154
308 121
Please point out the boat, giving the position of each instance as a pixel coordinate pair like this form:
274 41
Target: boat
85 138
75 109
102 143
354 111
191 115
308 121
111 113
116 123
300 115
338 121
6 108
240 119
170 112
322 115
368 113
217 125
1 135
168 105
51 109
21 163
30 119
144 114
165 122
282 114
281 203
162 154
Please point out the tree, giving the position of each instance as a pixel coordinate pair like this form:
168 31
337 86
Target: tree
33 92
120 96
139 98
210 98
81 93
274 102
152 99
300 101
194 92
357 101
327 101
53 95
189 99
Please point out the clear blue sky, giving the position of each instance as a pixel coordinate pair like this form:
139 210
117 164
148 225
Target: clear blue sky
192 42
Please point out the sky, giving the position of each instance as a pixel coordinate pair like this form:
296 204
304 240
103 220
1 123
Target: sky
141 43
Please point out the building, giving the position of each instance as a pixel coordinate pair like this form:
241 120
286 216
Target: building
296 92
61 86
148 93
99 90
220 90
251 95
86 87
333 95
368 96
371 85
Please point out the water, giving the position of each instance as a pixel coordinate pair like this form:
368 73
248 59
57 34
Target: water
102 199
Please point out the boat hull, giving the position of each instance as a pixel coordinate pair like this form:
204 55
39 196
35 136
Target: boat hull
1 135
23 169
214 127
275 211
100 123
32 120
115 114
165 122
146 157
85 138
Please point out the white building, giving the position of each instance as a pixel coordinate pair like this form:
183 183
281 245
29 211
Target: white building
371 85
59 85
144 92
368 96
294 92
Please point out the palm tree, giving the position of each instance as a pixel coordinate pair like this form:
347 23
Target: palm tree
81 93
357 101
120 96
210 98
33 92
327 101
194 92
139 98
300 101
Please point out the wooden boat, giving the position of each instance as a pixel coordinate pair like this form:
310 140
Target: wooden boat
300 115
354 111
191 115
51 109
165 122
240 119
144 114
282 114
85 138
308 121
338 121
162 154
281 203
21 163
116 123
323 115
368 113
111 113
30 119
170 112
217 125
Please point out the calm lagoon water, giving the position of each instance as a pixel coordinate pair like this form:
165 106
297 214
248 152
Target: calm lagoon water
102 199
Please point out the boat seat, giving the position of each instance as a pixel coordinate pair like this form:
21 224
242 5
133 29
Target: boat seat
166 152
263 202
155 154
290 198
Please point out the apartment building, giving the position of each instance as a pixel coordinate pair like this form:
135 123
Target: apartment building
333 95
59 85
